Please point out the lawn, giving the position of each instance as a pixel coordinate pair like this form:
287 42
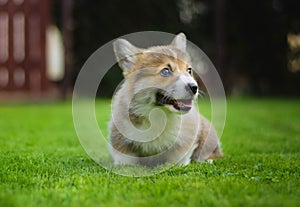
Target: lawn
43 164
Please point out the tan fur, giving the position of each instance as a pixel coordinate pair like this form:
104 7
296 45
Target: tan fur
185 137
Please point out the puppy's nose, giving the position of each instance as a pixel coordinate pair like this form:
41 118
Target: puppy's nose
193 87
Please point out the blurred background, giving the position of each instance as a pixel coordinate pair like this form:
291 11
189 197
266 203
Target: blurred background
255 45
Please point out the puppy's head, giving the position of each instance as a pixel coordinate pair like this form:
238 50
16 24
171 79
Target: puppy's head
159 75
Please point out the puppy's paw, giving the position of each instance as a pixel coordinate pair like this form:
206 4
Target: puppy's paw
209 161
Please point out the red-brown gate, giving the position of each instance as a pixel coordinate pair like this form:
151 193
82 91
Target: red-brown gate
23 26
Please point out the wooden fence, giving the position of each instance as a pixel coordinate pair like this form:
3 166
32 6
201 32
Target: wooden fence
23 26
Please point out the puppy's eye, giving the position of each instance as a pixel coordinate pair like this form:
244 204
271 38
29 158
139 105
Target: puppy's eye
166 72
189 70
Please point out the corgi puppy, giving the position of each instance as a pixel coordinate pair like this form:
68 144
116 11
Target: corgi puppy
155 119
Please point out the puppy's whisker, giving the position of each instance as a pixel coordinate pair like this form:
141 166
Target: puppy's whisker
201 93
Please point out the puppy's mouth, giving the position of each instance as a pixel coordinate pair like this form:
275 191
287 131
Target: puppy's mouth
182 105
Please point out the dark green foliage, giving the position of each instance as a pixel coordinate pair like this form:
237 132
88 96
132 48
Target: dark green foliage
254 48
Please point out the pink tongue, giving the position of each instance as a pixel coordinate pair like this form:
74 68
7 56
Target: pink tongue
184 103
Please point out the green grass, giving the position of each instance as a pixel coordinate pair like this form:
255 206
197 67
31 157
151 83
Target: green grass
43 164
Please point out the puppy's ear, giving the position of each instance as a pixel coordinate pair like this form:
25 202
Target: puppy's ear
179 42
126 54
